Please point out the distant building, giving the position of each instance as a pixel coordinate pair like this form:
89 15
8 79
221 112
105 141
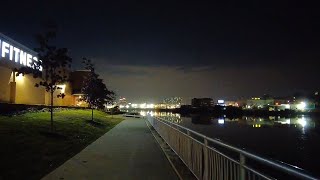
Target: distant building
122 103
171 103
259 103
202 102
232 103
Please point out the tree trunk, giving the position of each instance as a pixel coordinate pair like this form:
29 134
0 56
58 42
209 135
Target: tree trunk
92 114
51 110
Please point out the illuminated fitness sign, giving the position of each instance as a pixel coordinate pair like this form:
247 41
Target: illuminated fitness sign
18 55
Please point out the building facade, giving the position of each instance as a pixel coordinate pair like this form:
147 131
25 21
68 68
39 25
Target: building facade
202 102
21 89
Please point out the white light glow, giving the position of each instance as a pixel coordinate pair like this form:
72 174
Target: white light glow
12 53
143 105
287 106
5 49
110 106
221 121
288 121
301 106
16 54
19 78
143 113
62 88
23 58
220 101
302 122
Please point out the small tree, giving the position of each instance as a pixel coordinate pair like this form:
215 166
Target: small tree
95 92
51 67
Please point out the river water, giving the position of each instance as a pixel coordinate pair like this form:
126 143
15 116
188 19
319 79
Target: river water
295 140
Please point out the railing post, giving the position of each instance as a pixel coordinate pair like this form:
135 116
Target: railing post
242 169
206 160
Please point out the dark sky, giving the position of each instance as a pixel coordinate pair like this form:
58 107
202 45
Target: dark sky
147 50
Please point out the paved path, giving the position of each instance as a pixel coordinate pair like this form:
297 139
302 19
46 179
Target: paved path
128 151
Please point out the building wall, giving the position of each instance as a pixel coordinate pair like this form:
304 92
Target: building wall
27 93
68 100
5 74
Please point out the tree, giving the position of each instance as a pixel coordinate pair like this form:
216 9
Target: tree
95 92
51 67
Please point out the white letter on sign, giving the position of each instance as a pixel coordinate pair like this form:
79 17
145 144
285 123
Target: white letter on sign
23 58
5 49
29 60
16 54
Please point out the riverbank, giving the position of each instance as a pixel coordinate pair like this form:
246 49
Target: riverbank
29 150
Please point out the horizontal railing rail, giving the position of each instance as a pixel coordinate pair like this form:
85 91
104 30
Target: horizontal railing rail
207 161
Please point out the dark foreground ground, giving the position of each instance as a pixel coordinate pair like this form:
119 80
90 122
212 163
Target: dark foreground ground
29 150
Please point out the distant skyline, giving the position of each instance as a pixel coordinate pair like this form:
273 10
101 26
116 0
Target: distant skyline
155 49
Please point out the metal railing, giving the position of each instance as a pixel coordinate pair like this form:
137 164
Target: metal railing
209 158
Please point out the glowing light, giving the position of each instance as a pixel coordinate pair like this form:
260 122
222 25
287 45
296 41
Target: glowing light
150 106
301 106
127 106
143 105
287 106
12 53
110 106
121 106
302 122
62 88
220 101
143 113
221 121
20 78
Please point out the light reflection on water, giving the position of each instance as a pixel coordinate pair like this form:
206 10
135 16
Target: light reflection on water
294 140
255 122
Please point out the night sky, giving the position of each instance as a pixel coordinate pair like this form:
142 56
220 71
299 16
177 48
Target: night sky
148 50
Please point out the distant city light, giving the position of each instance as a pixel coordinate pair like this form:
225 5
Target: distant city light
287 106
221 121
143 113
220 101
143 105
301 106
150 106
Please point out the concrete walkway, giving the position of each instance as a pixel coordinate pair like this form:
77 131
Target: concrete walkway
128 151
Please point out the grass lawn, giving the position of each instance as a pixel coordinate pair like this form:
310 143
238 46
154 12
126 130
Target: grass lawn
29 151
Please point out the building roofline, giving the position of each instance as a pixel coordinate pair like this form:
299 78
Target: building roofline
2 36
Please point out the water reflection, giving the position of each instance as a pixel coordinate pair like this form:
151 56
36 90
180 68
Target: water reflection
293 140
254 122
